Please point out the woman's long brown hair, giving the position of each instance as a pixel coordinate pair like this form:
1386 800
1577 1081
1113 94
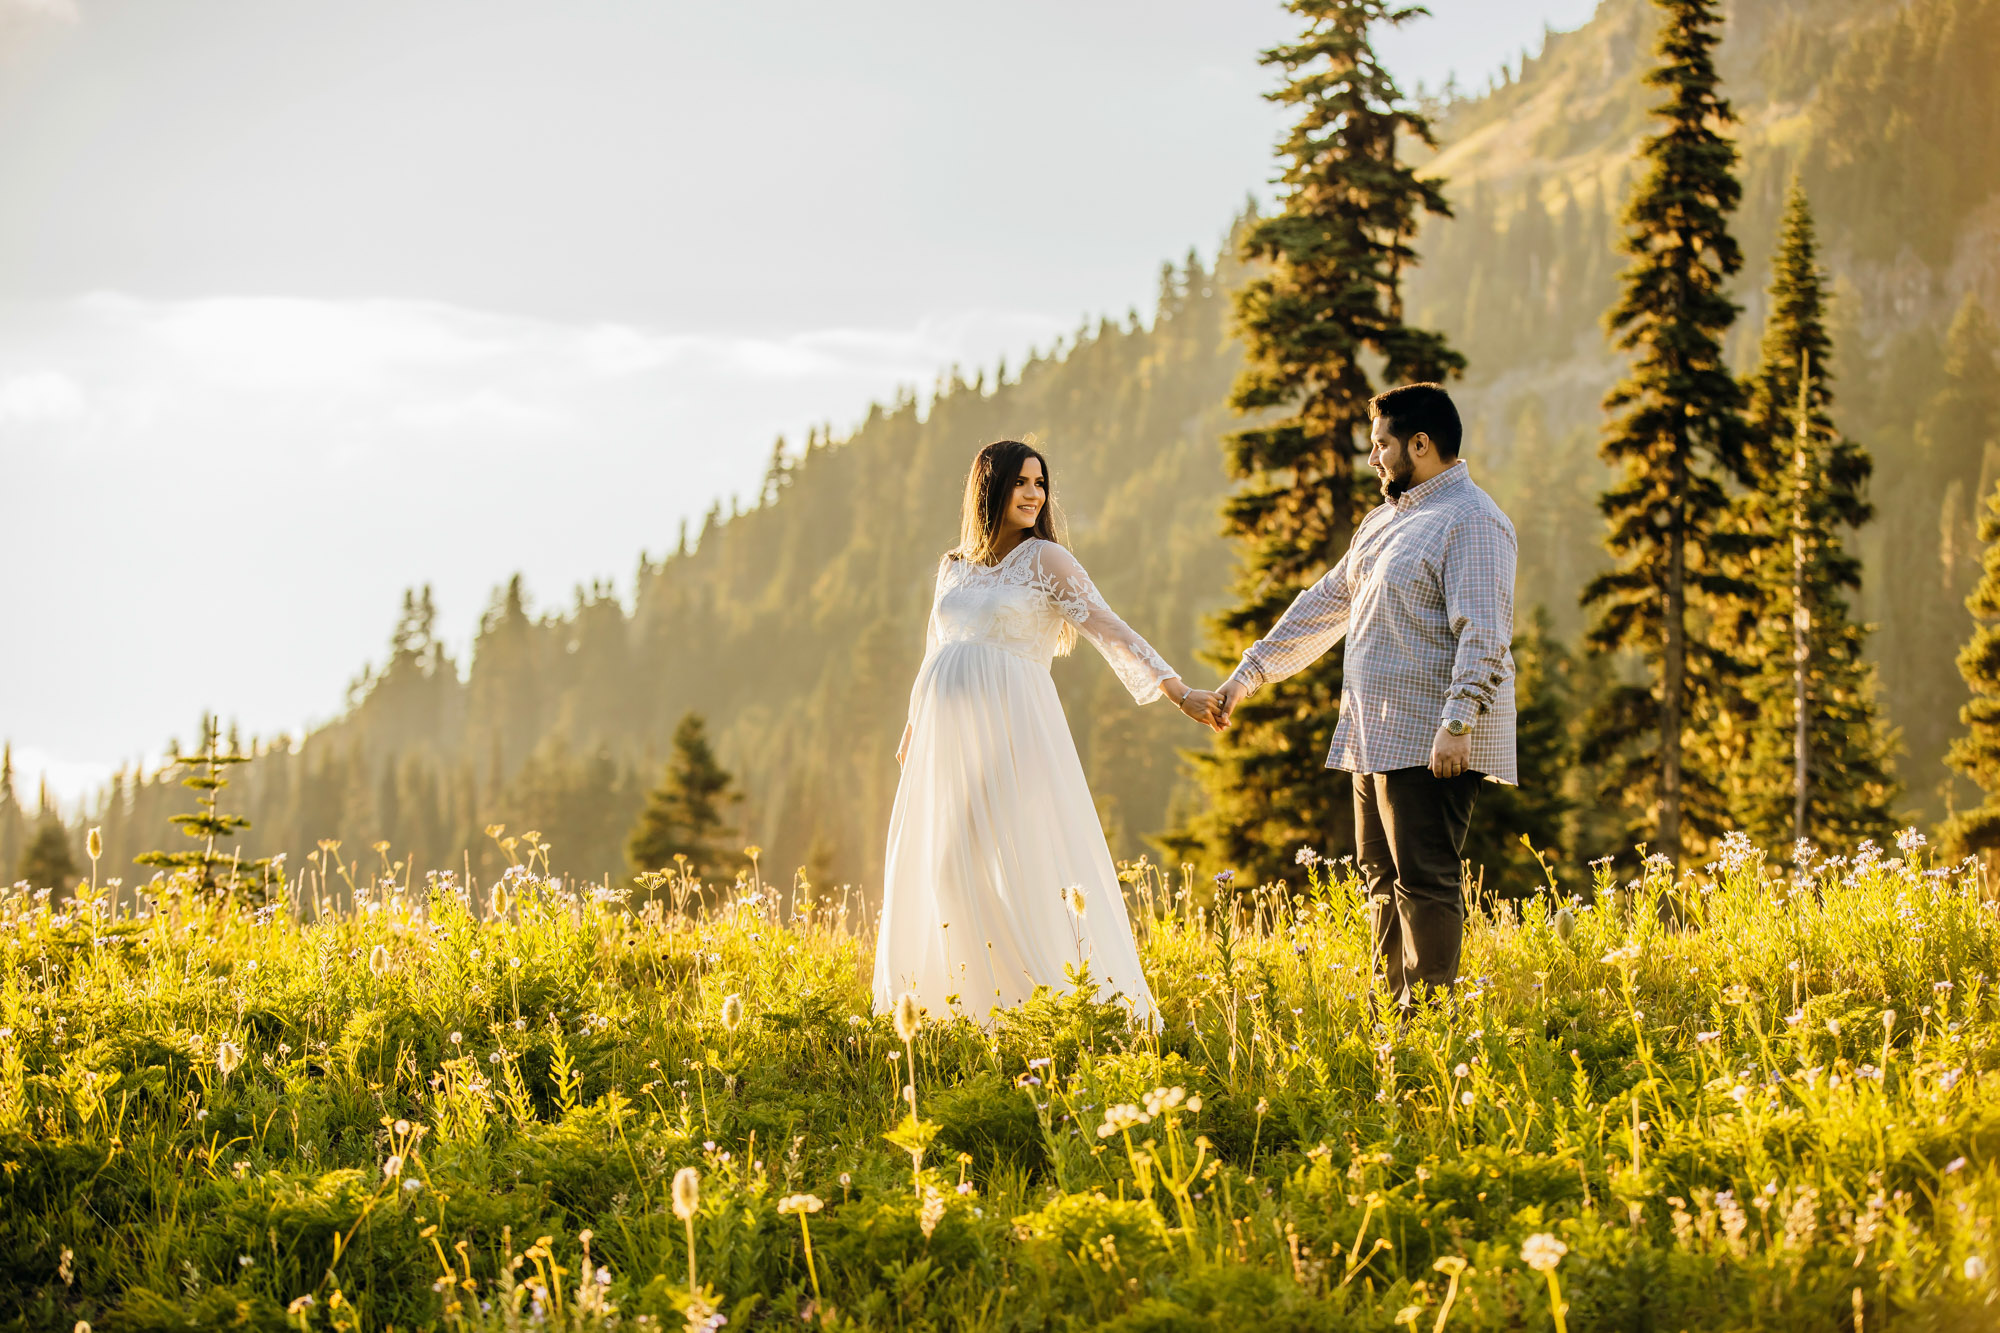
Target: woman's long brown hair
988 487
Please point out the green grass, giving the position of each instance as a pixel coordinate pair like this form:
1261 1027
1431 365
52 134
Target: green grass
1781 1113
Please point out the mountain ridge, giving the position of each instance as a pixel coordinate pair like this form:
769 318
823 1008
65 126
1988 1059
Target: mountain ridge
795 626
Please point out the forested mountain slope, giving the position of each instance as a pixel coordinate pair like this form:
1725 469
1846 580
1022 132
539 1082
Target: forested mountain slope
796 626
1889 115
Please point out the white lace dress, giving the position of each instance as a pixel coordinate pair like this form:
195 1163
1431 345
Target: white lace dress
993 819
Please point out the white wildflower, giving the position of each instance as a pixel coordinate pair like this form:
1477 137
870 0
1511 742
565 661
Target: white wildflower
909 1017
932 1211
1542 1252
687 1192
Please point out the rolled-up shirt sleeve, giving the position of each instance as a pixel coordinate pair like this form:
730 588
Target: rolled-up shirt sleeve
1315 621
1479 559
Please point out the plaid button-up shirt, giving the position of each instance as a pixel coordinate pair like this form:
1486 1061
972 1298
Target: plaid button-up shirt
1425 599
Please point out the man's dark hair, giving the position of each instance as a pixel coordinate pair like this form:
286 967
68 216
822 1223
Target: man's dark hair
1410 408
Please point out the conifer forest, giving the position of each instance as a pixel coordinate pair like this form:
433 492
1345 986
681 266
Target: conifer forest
531 990
561 716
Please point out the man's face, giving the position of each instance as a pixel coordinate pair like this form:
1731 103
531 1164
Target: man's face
1390 458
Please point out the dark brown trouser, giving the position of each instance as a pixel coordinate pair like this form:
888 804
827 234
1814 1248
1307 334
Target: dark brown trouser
1410 830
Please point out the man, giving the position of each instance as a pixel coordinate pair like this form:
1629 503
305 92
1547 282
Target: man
1425 599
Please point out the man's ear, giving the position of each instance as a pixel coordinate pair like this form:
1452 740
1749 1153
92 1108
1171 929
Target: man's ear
1420 440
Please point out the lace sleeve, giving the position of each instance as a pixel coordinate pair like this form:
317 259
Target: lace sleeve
1066 584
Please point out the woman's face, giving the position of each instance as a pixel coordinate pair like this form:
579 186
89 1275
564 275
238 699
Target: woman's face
1024 506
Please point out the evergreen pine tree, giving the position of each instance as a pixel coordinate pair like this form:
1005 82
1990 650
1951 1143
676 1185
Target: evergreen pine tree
13 826
1818 763
1327 294
684 814
1678 434
47 862
1961 423
1977 753
777 475
203 775
1539 808
1933 507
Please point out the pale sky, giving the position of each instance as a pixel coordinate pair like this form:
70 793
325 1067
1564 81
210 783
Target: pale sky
438 292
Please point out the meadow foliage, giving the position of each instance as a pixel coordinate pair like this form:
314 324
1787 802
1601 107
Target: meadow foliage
1743 1098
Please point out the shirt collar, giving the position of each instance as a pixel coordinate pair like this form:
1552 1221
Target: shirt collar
1444 480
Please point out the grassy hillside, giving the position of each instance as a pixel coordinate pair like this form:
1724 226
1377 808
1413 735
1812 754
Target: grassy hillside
796 626
408 1116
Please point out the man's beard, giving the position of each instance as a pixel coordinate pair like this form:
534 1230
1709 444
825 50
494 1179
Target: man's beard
1401 473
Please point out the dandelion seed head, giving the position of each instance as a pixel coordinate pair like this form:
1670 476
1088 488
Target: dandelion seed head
1542 1252
909 1017
687 1192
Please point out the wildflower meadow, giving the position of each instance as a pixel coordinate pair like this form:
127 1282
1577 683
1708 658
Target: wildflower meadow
1744 1097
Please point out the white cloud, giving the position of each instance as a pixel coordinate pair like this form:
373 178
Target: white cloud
614 350
69 782
351 449
40 396
481 408
285 344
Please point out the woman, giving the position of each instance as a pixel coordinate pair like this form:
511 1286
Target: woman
998 877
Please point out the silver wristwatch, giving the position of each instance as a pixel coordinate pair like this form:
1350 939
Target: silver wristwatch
1456 727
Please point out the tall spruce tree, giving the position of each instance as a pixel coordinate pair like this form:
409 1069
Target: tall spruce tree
684 814
1538 809
1677 435
47 862
13 824
1818 765
1326 295
1977 753
1960 425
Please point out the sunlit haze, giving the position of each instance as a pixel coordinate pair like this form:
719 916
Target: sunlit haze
301 305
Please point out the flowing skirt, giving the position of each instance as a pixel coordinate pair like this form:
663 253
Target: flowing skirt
993 821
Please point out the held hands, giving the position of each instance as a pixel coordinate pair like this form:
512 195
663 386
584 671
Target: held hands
1450 755
1230 695
1199 705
